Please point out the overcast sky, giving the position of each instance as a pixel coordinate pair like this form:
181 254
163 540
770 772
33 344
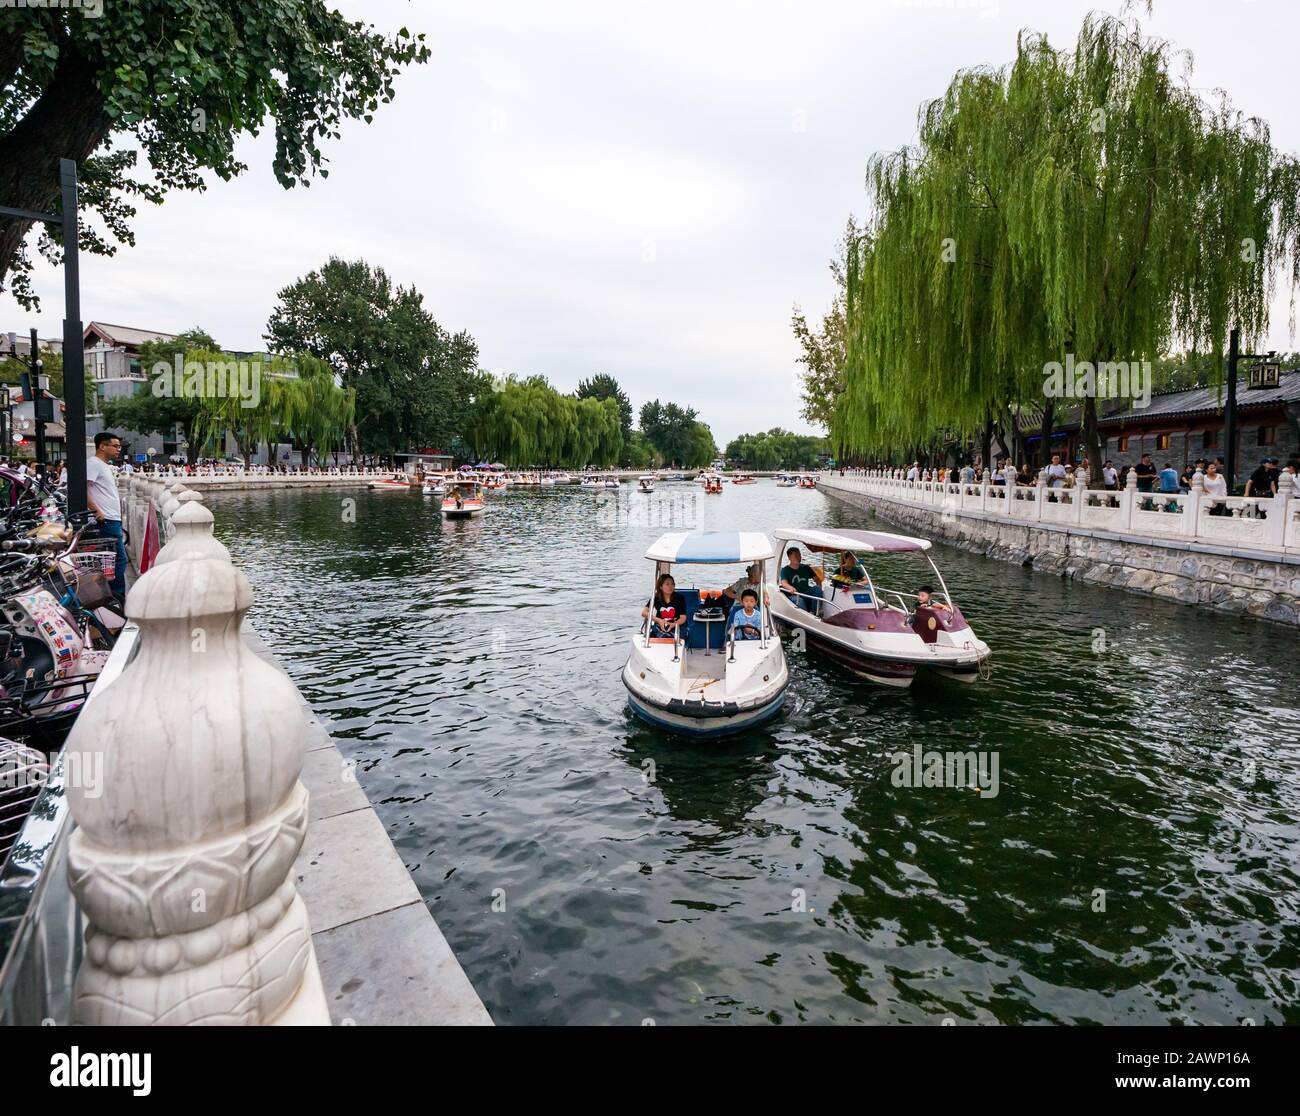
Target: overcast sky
641 190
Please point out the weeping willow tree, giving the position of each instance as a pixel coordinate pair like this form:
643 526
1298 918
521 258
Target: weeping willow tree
316 413
528 422
289 398
1085 202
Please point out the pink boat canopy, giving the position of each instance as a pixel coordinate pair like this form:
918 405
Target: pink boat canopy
818 540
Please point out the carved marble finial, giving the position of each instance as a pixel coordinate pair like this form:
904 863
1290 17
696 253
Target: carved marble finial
187 835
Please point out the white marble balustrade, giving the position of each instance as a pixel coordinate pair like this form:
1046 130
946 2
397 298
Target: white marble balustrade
1262 524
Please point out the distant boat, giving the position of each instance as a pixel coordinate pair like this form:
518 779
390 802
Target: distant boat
786 480
390 484
646 483
464 499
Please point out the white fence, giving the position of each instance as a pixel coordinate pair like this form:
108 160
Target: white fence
1263 524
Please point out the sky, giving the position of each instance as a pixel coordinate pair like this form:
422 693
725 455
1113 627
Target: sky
641 190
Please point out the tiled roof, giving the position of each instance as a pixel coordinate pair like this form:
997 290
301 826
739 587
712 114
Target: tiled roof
127 335
1211 400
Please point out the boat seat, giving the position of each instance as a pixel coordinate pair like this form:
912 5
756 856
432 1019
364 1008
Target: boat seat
697 634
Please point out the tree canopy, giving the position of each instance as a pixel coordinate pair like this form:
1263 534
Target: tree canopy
527 422
180 80
677 435
415 383
1087 202
776 449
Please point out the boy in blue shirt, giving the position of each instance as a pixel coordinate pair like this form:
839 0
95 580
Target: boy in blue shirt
747 620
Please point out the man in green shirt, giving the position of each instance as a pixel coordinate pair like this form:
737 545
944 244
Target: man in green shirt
800 583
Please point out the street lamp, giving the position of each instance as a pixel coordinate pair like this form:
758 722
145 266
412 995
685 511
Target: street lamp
1230 404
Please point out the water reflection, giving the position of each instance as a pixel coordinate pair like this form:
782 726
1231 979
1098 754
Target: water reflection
1137 865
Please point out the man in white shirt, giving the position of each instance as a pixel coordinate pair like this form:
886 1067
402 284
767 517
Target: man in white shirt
915 471
1056 472
103 499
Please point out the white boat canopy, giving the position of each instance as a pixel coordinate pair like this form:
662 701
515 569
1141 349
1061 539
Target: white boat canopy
818 540
711 547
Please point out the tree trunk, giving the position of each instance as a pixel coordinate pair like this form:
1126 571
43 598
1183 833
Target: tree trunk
67 121
1045 433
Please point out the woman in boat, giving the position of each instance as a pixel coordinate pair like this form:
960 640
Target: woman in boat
667 610
851 571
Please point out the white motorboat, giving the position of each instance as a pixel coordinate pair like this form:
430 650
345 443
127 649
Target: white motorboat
786 480
433 486
465 499
597 480
646 483
878 633
700 678
390 484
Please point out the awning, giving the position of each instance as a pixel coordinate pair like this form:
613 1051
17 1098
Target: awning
711 547
880 542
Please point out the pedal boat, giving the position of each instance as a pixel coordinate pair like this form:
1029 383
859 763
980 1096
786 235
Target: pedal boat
807 480
464 499
877 633
701 683
390 484
712 485
645 484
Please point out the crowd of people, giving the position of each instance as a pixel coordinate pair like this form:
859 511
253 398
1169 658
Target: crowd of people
1166 478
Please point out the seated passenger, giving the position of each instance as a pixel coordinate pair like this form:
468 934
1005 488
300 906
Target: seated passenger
667 610
924 599
732 593
747 620
801 584
851 571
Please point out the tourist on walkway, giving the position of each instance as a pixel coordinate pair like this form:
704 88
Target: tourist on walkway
1263 481
1216 485
1169 478
1146 473
1109 477
103 499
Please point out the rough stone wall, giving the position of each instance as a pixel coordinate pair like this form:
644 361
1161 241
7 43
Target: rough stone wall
1266 589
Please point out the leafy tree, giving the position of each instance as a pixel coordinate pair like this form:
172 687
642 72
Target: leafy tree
183 80
823 348
1081 202
414 383
604 386
676 434
527 422
776 449
148 412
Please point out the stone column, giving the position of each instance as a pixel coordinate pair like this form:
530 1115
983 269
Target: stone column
1280 510
1128 499
184 847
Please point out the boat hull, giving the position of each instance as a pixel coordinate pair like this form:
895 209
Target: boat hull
703 728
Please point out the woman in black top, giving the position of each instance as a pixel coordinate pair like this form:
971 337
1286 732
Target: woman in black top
667 609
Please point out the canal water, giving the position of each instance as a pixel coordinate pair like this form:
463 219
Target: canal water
1138 863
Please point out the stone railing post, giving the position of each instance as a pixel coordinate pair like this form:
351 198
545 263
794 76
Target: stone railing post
1128 500
1080 493
1280 509
1041 502
986 492
185 842
1191 505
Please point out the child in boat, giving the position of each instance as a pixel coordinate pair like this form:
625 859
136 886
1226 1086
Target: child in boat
747 620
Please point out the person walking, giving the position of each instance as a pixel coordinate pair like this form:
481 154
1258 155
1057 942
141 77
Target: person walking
103 499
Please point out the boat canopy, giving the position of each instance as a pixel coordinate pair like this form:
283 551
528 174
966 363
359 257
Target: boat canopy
881 542
711 547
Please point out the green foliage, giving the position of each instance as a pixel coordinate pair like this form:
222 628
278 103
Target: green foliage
1087 202
776 449
527 422
679 438
823 348
183 80
415 384
604 386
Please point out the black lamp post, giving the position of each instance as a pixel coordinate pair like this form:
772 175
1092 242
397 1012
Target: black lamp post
74 358
1230 405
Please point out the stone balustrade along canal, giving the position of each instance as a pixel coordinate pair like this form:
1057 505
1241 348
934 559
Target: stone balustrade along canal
227 865
1234 554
